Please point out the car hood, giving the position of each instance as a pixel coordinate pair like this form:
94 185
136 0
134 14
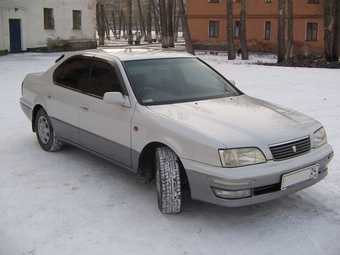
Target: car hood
240 121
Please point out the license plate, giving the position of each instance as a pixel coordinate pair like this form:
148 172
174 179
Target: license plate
299 176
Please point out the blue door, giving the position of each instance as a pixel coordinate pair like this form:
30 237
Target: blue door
15 35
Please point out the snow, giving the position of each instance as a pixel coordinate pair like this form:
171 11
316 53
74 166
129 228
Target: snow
72 202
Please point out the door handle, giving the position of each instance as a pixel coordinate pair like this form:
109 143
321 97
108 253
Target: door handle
84 108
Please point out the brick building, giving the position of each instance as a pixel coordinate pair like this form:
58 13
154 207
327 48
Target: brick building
207 23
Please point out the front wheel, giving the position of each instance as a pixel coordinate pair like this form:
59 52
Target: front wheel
168 181
45 133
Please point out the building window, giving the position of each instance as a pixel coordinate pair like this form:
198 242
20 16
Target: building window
48 18
237 1
213 28
76 19
312 32
267 30
267 1
213 1
237 25
313 1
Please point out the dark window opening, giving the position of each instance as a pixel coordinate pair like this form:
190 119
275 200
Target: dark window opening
48 18
213 28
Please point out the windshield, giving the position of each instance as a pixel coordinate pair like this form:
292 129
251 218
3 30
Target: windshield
164 81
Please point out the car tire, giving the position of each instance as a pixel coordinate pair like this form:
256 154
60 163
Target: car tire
45 133
168 181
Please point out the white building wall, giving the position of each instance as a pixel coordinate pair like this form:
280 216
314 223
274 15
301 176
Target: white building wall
2 40
33 34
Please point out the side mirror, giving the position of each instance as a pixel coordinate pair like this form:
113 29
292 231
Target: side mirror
232 82
114 98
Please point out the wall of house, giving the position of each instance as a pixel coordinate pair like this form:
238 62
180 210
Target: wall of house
258 12
2 40
63 37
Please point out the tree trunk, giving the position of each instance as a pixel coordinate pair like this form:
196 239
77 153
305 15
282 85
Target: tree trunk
230 30
176 21
243 37
170 28
141 18
101 39
336 37
129 9
114 24
149 23
290 29
328 25
157 27
281 51
185 28
164 25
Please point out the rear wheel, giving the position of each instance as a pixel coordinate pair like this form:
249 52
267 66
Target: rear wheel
45 133
168 181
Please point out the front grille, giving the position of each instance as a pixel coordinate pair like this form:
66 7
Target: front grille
290 149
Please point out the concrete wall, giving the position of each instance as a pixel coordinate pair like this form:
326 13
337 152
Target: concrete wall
63 37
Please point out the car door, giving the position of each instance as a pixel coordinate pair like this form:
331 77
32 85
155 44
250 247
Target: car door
105 128
63 98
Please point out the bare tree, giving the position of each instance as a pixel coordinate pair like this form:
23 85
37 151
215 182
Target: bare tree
243 37
141 18
290 29
164 25
114 24
185 28
336 37
99 26
230 30
170 28
149 22
129 10
281 51
329 29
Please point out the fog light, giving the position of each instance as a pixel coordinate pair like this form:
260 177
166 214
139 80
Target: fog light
232 194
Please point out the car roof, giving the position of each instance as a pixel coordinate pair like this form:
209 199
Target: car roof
129 54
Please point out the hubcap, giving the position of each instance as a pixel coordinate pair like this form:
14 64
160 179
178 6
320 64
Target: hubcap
43 130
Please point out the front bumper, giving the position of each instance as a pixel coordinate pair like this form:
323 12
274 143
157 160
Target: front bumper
264 180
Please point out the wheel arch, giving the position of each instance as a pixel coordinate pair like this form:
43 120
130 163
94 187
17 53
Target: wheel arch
146 163
35 109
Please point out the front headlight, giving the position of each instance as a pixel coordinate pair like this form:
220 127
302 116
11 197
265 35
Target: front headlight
241 157
320 137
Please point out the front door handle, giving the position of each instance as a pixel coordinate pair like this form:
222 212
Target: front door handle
85 108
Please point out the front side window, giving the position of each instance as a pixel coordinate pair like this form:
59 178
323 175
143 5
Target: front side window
103 78
72 73
237 25
76 19
213 28
165 81
48 18
312 32
267 30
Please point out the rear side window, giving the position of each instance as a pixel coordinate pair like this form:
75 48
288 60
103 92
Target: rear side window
103 78
72 73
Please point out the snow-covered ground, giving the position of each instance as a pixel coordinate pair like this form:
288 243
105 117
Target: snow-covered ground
71 202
